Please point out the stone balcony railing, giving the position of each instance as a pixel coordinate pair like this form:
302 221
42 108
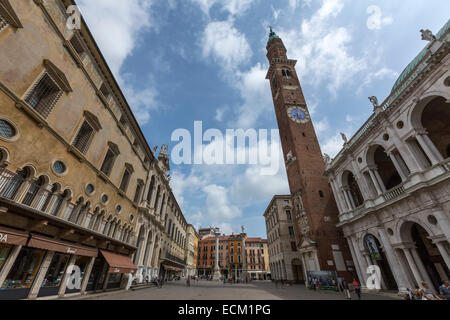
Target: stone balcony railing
433 174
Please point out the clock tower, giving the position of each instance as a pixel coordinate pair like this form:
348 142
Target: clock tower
320 242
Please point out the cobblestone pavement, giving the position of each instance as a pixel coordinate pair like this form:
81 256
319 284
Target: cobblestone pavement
209 290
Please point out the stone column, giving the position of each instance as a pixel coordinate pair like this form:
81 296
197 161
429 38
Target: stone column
350 196
361 261
4 271
394 264
66 277
375 182
359 272
413 266
34 291
304 269
216 265
429 148
422 268
380 181
87 275
397 166
443 251
338 196
347 198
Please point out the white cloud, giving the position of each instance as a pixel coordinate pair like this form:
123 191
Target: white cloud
220 112
234 7
376 76
256 94
321 126
225 44
376 19
333 145
323 49
217 203
117 27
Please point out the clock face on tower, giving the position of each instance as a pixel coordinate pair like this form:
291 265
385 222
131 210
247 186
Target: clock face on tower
298 114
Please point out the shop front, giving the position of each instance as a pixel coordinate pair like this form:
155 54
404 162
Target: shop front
34 266
117 269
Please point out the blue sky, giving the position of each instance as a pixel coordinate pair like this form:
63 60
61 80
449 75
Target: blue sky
180 61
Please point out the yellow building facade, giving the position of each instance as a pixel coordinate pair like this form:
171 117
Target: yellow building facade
79 186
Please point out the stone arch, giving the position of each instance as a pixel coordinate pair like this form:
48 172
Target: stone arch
415 113
378 158
433 115
29 169
349 181
4 156
404 227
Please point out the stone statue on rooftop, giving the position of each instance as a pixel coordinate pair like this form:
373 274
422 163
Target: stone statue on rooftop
427 35
374 101
344 137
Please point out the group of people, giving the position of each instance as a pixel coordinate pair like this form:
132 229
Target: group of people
426 293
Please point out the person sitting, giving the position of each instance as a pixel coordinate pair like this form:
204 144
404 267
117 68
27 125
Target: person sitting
427 293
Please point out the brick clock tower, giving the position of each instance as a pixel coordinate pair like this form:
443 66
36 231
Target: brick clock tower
320 242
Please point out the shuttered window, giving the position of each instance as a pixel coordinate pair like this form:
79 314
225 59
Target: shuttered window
108 163
84 137
44 96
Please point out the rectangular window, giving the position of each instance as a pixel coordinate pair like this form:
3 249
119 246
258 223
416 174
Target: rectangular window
44 96
84 137
291 231
125 180
76 44
293 246
289 215
138 193
108 163
104 89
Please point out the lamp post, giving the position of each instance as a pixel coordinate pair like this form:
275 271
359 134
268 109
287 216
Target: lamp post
216 268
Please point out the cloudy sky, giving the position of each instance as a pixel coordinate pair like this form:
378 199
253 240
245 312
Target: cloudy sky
180 61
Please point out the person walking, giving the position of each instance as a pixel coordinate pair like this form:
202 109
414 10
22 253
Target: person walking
357 288
188 281
346 290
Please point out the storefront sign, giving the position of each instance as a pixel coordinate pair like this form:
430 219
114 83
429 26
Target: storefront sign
4 237
14 237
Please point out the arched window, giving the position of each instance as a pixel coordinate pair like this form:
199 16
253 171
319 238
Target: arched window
286 72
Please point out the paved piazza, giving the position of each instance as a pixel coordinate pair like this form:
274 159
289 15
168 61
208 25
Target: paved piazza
208 290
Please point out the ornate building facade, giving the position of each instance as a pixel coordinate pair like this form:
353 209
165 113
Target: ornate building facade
80 189
321 245
391 179
284 257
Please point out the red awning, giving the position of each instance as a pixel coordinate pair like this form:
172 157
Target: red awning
45 243
14 237
119 263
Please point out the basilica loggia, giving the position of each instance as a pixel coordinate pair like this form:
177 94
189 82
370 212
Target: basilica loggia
391 179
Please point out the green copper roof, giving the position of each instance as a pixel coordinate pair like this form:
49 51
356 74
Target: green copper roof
415 62
272 35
